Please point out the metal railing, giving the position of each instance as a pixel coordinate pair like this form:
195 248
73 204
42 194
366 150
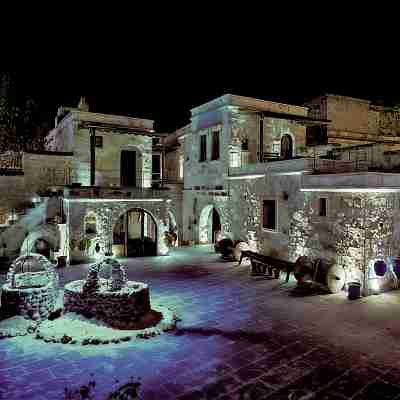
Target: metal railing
11 160
115 192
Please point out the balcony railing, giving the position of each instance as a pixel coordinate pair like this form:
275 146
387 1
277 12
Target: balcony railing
93 192
11 161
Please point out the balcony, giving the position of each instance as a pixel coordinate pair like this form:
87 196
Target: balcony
115 193
356 182
11 163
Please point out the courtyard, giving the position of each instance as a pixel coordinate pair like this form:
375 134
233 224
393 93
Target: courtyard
238 337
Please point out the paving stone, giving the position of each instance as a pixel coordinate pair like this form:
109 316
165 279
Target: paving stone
238 337
379 390
353 381
253 391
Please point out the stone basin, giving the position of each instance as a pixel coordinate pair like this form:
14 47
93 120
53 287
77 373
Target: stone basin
129 304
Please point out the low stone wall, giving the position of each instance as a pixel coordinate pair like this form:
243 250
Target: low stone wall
125 305
29 302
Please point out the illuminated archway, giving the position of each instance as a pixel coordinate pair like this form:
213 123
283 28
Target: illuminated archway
209 224
135 234
41 241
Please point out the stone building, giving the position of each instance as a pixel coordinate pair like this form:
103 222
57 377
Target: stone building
321 180
97 176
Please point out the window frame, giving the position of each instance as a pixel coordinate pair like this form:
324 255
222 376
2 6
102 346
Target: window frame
98 142
203 146
326 206
276 225
215 145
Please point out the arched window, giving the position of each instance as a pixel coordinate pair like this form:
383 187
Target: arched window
90 223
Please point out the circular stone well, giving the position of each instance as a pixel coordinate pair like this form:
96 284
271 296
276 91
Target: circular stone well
120 303
31 288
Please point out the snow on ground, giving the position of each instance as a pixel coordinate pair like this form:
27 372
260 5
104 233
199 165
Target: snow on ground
16 326
76 329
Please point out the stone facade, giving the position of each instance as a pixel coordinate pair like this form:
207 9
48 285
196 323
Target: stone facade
107 214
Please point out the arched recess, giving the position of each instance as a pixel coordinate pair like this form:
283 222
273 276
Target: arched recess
42 241
90 223
209 224
286 147
135 234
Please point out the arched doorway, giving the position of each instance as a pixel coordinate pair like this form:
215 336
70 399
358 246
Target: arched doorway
209 225
286 147
135 234
128 168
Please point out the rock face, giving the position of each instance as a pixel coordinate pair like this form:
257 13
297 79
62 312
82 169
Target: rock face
31 288
111 300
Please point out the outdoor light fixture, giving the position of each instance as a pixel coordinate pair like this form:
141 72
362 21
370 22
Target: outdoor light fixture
252 176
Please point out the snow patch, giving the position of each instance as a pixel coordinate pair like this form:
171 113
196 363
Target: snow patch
73 328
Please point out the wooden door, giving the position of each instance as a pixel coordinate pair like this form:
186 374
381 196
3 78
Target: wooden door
128 168
286 147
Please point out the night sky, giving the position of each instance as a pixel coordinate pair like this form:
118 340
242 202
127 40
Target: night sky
165 81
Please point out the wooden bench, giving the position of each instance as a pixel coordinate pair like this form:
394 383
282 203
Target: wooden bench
266 265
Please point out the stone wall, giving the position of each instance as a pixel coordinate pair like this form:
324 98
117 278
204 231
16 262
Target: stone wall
29 302
107 214
42 171
108 158
246 203
127 304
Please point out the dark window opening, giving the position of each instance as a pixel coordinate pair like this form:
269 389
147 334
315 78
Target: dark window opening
215 146
128 168
156 167
316 135
203 148
99 141
322 207
245 145
269 214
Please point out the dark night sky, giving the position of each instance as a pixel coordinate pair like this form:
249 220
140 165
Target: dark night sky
163 78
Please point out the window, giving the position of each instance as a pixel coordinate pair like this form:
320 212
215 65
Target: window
269 215
215 146
99 141
245 145
156 168
203 148
181 167
323 207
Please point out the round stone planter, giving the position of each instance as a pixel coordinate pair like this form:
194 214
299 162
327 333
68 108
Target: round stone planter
29 302
128 304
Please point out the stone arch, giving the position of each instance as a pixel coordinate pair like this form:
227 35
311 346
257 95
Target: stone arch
207 226
41 241
159 228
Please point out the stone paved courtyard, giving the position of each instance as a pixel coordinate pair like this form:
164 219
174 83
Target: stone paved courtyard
240 337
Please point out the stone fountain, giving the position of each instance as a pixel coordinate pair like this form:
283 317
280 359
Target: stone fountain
122 304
